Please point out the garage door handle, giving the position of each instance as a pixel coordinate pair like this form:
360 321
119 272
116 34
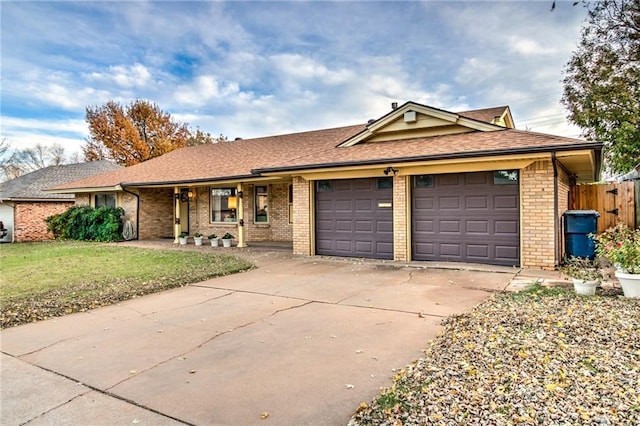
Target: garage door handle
385 205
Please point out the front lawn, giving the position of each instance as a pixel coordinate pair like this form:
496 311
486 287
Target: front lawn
542 357
48 279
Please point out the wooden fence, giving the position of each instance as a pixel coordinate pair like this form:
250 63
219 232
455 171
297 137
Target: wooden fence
614 201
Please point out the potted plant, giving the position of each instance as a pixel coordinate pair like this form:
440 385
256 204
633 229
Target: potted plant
585 273
226 240
197 238
214 240
182 238
620 245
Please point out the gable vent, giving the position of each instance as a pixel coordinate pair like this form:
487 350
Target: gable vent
410 117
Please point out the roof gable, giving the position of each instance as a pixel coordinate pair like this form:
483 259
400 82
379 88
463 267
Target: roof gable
413 120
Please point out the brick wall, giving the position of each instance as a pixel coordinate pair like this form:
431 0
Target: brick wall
400 228
537 215
301 216
156 213
564 187
278 228
29 224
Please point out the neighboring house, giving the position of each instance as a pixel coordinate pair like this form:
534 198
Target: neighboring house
419 183
24 205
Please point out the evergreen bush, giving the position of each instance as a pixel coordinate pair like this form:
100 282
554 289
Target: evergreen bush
87 223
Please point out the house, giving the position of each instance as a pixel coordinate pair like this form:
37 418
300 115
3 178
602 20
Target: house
418 183
24 205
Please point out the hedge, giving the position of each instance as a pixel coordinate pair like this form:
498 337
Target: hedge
87 223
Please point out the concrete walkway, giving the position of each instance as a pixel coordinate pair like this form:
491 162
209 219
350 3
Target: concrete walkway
296 341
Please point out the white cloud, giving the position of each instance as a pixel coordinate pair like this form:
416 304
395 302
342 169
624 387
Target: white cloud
204 89
27 133
477 71
528 47
134 76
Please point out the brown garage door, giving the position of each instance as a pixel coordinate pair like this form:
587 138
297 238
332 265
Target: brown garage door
354 218
467 217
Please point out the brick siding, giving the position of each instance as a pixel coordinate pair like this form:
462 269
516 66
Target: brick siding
400 214
29 219
156 213
537 215
302 216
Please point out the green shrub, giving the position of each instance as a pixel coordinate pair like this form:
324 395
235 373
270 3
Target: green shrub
87 223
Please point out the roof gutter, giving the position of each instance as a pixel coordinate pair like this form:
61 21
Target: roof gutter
484 153
189 181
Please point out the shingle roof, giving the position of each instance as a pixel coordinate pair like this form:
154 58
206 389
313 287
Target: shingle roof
485 114
464 145
221 160
314 149
31 185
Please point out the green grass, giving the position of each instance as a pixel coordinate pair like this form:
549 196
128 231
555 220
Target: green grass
41 280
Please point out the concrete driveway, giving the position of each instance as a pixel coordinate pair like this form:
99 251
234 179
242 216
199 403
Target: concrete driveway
296 341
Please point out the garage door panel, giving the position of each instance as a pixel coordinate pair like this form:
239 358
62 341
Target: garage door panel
473 219
384 226
506 202
475 178
510 253
449 203
450 249
478 251
423 203
477 202
450 227
343 245
324 225
364 206
506 227
364 247
341 206
446 180
343 225
364 226
350 218
477 227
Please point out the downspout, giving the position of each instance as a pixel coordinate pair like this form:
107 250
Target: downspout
137 210
555 209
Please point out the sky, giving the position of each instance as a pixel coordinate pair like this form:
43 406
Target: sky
260 68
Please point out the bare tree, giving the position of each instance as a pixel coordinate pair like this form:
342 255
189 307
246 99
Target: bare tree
16 162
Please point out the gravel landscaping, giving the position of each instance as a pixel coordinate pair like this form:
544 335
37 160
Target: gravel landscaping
543 356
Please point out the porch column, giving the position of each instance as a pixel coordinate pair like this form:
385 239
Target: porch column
241 230
176 214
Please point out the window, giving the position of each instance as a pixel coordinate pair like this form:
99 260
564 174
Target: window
505 177
290 203
261 196
224 203
384 183
104 200
325 186
423 181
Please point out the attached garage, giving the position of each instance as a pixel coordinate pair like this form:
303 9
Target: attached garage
354 217
466 217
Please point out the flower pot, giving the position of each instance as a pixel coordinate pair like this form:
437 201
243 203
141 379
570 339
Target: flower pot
630 284
226 242
183 241
198 240
584 287
214 242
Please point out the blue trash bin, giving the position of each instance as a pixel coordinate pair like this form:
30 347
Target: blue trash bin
578 224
